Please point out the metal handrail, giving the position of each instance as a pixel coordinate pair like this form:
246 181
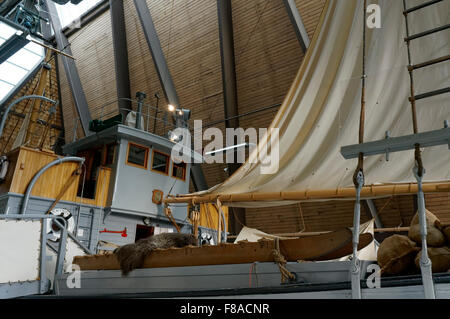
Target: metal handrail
33 182
147 116
42 171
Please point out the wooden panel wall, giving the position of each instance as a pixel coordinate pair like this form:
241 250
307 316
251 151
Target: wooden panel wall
267 55
29 162
93 49
26 162
14 122
395 211
310 12
70 115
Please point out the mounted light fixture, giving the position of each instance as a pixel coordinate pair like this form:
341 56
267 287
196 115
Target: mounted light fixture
171 108
174 137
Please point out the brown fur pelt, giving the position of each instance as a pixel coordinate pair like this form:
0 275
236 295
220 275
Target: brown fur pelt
132 256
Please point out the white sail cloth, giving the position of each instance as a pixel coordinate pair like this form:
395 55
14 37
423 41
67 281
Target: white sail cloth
320 113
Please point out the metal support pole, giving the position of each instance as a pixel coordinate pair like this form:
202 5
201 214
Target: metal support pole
297 23
228 64
71 69
120 55
425 262
61 247
374 213
161 67
43 257
355 268
230 100
45 26
157 54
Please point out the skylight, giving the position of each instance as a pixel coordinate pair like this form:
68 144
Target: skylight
17 68
69 12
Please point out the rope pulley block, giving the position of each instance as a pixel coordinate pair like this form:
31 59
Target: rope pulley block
53 230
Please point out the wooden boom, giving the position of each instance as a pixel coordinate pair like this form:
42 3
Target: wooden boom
369 191
313 248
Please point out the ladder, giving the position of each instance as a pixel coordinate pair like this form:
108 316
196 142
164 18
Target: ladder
425 262
401 143
412 67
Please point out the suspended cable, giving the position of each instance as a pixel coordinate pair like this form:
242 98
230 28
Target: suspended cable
360 167
252 33
417 152
358 176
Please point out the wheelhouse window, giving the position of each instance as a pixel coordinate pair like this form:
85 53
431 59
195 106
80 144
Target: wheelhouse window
179 171
137 155
160 162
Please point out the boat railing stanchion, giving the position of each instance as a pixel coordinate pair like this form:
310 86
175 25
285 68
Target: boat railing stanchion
355 272
425 262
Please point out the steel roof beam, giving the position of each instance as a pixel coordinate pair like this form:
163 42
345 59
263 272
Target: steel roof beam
120 56
155 49
71 69
297 23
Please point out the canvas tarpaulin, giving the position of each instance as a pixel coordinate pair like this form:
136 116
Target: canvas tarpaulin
320 113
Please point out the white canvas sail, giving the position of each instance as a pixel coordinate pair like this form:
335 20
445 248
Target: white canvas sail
320 113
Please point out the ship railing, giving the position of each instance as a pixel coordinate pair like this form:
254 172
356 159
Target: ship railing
156 120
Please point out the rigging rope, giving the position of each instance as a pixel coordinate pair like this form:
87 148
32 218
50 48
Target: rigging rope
360 166
417 153
238 57
281 262
358 176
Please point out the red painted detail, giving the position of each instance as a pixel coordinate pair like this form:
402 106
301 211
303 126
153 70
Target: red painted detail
122 232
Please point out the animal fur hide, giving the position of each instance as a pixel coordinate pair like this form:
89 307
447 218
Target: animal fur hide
132 256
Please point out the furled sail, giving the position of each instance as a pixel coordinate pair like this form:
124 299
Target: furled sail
320 113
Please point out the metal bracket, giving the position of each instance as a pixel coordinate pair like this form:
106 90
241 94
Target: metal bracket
386 136
355 271
397 144
425 262
446 126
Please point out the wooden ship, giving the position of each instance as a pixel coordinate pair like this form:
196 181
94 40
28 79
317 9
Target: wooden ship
121 183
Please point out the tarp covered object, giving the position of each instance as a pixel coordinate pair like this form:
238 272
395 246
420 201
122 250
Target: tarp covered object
367 253
320 113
